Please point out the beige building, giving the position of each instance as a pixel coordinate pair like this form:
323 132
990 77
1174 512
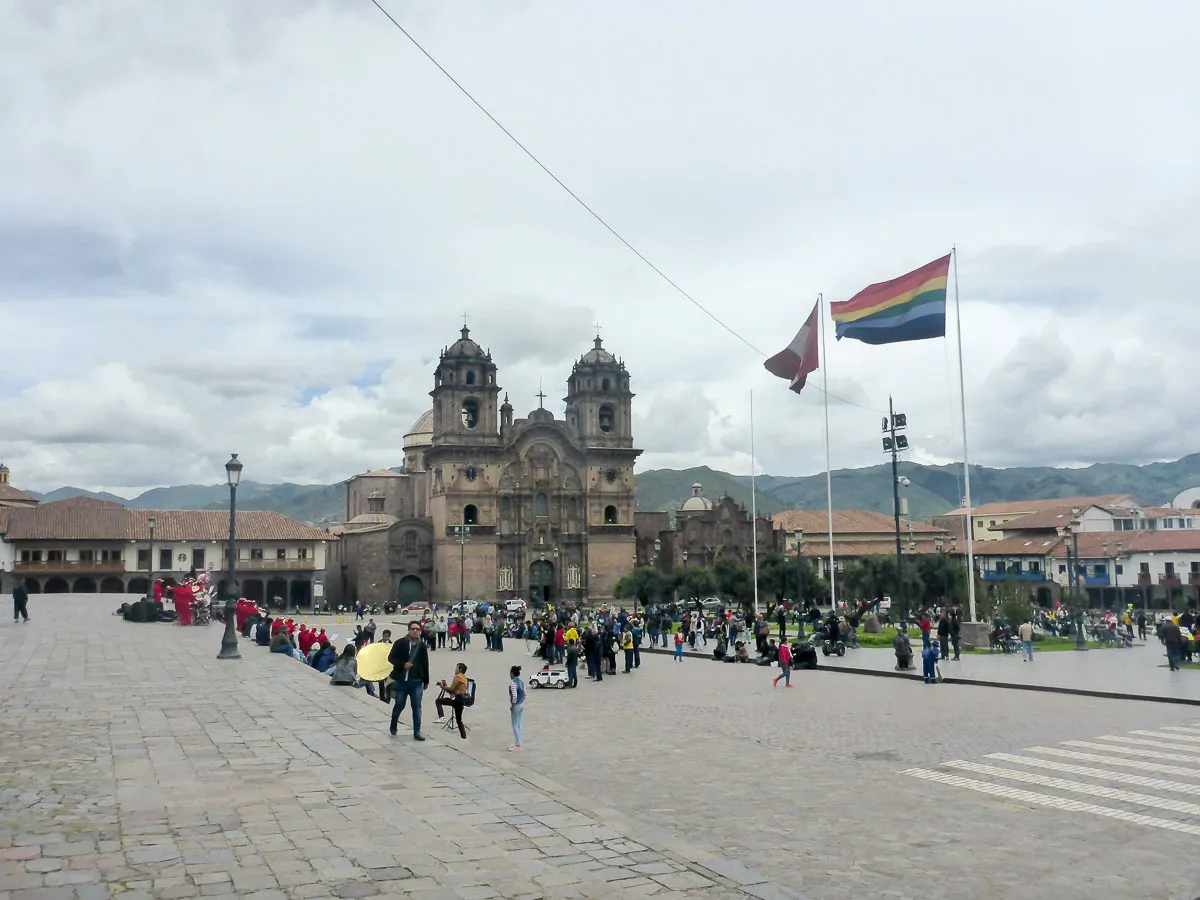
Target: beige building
856 534
988 520
10 497
83 546
491 506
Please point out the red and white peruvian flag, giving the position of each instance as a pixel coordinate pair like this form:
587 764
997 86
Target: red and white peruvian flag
799 358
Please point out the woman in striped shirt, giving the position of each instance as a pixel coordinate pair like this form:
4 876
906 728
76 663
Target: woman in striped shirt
516 704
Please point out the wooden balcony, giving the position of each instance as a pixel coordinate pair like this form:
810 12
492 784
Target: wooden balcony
1169 580
1144 579
65 566
1193 577
275 565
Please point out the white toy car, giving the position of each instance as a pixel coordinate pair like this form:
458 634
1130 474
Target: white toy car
549 676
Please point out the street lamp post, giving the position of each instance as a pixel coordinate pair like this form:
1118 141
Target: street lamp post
229 641
894 443
150 561
1072 532
462 531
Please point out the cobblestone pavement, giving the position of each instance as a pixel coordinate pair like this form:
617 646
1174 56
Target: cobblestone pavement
825 788
137 765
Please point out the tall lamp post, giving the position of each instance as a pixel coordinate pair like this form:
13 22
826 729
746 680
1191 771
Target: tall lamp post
229 641
462 531
1072 532
150 563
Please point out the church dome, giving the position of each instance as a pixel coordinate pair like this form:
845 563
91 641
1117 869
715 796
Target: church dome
464 346
369 520
598 355
421 433
696 503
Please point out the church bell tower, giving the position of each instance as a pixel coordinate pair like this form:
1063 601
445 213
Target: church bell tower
465 394
599 402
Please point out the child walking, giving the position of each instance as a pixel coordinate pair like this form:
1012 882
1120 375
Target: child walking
679 646
785 666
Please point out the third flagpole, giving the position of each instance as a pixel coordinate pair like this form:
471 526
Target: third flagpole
969 519
828 471
753 507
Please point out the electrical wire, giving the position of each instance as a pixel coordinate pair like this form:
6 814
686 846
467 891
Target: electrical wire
580 201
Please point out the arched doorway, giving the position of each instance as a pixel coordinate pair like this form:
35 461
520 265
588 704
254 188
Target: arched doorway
277 593
84 586
57 586
112 585
136 586
252 589
410 590
301 593
33 585
541 581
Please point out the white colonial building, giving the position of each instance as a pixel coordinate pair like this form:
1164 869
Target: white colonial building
83 545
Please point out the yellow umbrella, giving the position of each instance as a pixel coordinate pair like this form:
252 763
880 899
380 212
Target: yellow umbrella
373 662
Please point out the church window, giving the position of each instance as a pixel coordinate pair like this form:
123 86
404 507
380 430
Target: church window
541 505
470 514
606 418
610 515
505 506
470 412
410 542
470 378
605 385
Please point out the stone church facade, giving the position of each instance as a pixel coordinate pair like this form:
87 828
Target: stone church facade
494 507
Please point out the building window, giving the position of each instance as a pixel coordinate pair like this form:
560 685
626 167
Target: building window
410 542
505 507
1062 570
470 413
610 515
1168 523
541 506
1144 568
606 418
470 377
1035 566
281 553
164 559
605 385
1015 568
1000 567
992 523
506 578
302 553
1169 568
1196 568
470 514
198 558
110 556
54 556
256 553
143 559
1120 569
1101 570
87 556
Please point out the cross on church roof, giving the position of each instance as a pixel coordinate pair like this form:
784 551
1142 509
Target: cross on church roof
541 395
597 327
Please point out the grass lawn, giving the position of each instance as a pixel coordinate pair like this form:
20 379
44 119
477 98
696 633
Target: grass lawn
1045 643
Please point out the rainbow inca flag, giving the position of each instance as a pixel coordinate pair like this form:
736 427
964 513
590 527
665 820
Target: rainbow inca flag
909 308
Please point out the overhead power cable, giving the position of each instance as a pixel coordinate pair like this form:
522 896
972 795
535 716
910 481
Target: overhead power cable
579 200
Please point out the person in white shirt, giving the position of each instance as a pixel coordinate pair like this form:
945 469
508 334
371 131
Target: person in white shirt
1026 633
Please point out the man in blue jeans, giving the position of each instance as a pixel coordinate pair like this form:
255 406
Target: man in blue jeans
410 674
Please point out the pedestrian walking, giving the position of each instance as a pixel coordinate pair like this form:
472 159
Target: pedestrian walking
627 646
572 664
20 603
785 666
679 646
955 632
410 674
516 704
1172 639
1026 634
943 633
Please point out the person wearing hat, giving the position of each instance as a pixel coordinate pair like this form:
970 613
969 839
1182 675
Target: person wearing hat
516 704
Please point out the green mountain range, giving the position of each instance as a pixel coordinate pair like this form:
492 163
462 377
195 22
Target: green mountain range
931 489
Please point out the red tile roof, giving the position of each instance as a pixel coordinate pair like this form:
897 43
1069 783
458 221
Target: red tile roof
10 493
1036 545
846 521
856 549
1092 544
87 519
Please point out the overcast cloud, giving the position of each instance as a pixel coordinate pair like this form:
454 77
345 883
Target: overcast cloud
250 227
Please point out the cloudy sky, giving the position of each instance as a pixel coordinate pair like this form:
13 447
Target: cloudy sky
232 226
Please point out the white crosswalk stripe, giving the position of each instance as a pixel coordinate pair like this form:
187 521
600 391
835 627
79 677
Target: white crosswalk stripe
1099 769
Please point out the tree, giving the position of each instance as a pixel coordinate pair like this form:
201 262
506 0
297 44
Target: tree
645 583
696 583
734 579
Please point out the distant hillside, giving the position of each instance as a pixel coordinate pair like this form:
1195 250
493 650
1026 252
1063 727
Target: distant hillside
64 493
933 489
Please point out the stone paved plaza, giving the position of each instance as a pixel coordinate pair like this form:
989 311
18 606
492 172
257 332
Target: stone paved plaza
137 765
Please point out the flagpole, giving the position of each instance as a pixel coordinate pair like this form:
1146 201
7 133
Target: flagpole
828 471
753 507
962 396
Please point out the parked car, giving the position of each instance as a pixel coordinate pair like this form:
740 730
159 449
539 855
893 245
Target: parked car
516 605
416 610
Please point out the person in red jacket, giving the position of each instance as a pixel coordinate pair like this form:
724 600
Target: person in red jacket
245 609
925 625
560 644
183 603
158 591
785 666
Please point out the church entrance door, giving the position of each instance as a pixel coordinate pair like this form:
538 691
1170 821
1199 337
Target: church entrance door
410 590
541 582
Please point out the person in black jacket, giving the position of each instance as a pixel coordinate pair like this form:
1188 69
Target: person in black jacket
20 602
410 673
